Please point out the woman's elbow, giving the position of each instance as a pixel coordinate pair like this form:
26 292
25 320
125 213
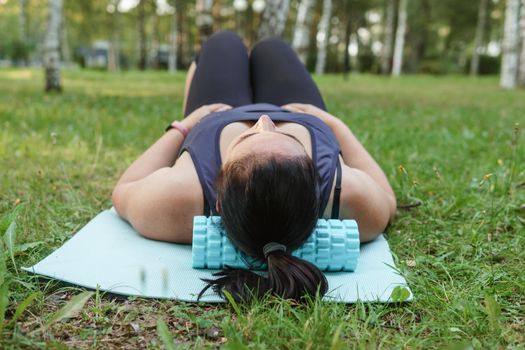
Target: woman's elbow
392 206
373 213
370 228
162 229
118 198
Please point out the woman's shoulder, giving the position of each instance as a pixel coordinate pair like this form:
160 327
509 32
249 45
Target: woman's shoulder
162 205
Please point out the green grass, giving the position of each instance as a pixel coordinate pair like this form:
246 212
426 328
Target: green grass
449 143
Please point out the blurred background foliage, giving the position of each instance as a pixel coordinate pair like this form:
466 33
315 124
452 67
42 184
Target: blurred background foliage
439 39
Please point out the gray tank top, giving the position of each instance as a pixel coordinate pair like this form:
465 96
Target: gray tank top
203 145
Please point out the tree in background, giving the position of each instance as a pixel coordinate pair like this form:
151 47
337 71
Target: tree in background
348 34
23 20
389 30
204 19
323 35
23 27
240 7
480 35
274 18
155 37
521 74
453 29
142 34
172 57
440 35
89 21
509 66
301 35
184 43
52 47
417 33
400 39
114 48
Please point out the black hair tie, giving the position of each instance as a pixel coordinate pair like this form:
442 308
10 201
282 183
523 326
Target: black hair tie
273 247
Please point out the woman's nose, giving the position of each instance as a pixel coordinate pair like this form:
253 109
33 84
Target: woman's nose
264 123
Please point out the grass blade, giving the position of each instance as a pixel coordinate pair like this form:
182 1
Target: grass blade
69 310
9 239
336 339
3 266
232 302
4 302
493 311
165 335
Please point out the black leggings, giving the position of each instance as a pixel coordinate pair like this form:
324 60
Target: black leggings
272 73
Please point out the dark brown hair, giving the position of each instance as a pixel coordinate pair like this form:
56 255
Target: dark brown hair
265 199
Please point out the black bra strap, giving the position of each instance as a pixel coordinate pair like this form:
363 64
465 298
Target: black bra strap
337 192
207 209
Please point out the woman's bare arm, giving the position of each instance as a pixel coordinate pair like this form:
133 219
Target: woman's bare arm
365 201
163 153
152 186
161 205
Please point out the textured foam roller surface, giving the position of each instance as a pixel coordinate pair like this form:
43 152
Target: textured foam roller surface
332 246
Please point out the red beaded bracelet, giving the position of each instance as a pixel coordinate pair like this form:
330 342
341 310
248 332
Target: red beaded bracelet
179 126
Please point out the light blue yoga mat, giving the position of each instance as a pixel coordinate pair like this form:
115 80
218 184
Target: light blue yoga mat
109 254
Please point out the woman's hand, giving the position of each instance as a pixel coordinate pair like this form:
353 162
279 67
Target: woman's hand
312 110
194 117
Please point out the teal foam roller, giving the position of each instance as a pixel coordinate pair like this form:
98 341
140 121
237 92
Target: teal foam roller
332 246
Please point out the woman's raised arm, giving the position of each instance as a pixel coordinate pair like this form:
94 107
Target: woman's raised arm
155 196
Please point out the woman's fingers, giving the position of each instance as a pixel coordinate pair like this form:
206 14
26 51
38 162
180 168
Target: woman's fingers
299 107
203 111
308 109
224 108
218 107
292 107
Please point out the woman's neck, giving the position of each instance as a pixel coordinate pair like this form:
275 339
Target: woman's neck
232 130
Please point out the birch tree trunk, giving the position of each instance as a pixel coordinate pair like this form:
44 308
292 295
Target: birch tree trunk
239 18
418 36
180 12
397 63
274 18
521 75
172 58
386 57
52 47
480 34
155 39
348 33
23 28
23 20
142 34
509 64
216 15
301 35
323 33
250 34
204 19
114 48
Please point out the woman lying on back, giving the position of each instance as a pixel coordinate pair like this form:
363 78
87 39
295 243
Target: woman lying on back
258 148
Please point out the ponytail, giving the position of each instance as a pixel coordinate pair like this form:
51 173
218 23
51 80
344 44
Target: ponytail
288 277
293 278
269 207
